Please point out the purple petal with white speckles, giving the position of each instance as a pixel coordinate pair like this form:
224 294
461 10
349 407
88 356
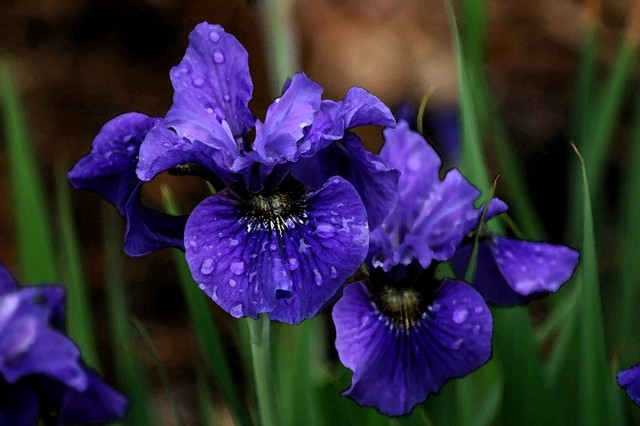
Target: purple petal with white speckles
393 370
215 72
630 381
532 267
289 274
287 117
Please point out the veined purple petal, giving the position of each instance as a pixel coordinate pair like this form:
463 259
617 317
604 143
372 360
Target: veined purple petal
630 381
359 107
109 169
395 368
532 267
287 117
287 264
98 403
215 72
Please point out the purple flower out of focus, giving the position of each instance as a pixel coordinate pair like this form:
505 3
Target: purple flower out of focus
297 192
630 381
402 332
41 374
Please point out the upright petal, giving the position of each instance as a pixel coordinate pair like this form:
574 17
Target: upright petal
287 117
630 381
215 71
284 255
394 367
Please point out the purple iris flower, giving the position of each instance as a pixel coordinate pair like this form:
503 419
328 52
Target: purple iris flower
296 193
41 374
630 381
402 332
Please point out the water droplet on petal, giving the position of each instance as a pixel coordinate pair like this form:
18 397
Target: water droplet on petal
226 98
293 264
334 272
198 82
193 243
460 316
131 149
233 242
318 277
325 230
214 36
237 267
478 309
207 266
232 282
273 246
477 329
166 145
237 310
218 57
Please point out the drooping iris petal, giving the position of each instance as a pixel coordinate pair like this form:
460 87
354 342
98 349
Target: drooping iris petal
98 403
630 381
215 74
110 170
277 138
488 279
531 267
396 368
29 346
286 265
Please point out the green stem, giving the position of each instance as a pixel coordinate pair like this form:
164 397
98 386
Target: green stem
259 331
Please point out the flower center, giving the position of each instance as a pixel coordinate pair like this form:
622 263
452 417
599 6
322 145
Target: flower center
403 306
279 210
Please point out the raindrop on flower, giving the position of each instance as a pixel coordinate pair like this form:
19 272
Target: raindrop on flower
218 57
207 266
237 267
214 36
325 230
460 316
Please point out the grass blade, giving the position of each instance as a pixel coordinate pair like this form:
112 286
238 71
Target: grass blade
33 230
80 324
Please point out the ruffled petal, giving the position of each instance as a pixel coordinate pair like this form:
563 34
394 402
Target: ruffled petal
393 368
287 117
215 73
98 403
630 381
289 270
532 267
109 169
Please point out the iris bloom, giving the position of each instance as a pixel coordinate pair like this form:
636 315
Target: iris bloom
41 374
630 381
402 332
296 193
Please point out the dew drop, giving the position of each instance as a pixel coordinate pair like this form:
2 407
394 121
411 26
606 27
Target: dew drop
303 246
478 309
131 149
325 230
198 82
218 57
233 242
477 329
193 243
318 277
220 115
460 316
237 267
273 246
226 98
207 266
232 282
214 36
166 145
237 311
293 264
334 272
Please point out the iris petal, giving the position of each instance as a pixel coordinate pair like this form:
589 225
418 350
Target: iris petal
630 381
393 368
288 270
215 72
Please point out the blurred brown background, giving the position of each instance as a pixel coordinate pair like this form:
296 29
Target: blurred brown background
78 63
